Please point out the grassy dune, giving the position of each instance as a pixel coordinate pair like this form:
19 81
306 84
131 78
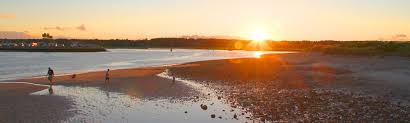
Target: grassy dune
346 47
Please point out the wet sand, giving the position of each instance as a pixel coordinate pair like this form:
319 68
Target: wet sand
18 106
125 81
19 89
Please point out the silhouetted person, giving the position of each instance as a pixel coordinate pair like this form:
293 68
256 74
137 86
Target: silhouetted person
107 76
50 75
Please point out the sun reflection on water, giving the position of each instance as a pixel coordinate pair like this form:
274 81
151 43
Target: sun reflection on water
257 54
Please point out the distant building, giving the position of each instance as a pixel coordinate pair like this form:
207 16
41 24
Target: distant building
74 44
88 45
34 44
45 44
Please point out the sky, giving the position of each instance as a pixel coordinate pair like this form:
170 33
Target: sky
278 19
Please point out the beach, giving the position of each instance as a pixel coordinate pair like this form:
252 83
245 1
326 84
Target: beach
125 81
310 87
299 87
138 83
17 105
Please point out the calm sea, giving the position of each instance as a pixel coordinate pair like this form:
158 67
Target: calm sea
14 65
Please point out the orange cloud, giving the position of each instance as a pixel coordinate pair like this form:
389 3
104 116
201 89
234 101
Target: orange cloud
15 35
55 28
60 28
400 37
7 16
81 27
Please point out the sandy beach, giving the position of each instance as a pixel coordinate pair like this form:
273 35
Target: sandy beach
19 89
139 83
305 87
125 81
17 105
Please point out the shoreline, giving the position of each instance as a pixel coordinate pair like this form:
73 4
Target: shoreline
142 83
81 72
289 79
122 63
164 67
52 50
119 78
19 88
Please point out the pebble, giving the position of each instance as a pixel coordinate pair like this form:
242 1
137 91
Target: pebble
204 107
279 102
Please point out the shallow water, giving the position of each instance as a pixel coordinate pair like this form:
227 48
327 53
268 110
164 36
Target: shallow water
17 65
92 104
95 104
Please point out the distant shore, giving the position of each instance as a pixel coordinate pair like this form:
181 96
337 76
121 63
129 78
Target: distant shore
365 48
52 50
307 87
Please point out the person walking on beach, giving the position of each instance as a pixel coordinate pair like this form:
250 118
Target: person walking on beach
107 76
50 75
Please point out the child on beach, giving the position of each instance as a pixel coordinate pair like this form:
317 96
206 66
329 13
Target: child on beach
50 74
107 76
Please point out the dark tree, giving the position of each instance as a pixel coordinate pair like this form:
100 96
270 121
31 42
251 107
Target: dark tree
47 36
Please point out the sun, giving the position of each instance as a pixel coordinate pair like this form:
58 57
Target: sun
258 40
258 36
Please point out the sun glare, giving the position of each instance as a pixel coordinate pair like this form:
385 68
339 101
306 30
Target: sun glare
257 54
258 40
259 36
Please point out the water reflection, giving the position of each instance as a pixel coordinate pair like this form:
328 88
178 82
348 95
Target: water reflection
107 89
94 104
173 82
50 90
114 59
258 54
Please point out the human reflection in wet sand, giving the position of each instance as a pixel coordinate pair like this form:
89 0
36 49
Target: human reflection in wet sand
50 90
173 81
107 90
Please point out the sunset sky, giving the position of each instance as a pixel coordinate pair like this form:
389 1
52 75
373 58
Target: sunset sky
279 19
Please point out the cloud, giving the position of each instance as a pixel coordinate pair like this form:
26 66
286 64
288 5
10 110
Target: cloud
7 16
81 27
15 35
400 37
61 37
60 28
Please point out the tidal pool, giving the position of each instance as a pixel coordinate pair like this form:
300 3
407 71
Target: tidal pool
93 104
